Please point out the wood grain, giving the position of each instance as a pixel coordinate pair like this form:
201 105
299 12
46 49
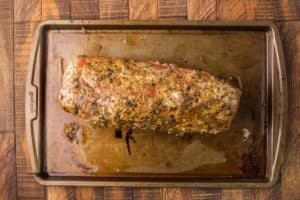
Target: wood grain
231 9
81 9
6 67
27 187
269 193
261 9
87 193
238 194
99 193
290 178
56 9
172 9
176 193
143 9
147 193
60 193
202 9
116 193
201 194
114 9
7 166
27 10
288 10
15 49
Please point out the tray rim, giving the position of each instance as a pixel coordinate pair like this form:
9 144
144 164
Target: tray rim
33 99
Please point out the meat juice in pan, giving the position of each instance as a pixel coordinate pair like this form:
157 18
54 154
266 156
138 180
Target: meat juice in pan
82 151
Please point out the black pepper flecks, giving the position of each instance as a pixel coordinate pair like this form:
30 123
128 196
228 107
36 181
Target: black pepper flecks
133 94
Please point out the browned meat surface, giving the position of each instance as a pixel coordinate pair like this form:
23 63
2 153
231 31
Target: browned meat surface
126 93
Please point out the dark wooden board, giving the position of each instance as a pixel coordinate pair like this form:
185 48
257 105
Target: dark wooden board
18 20
113 9
84 9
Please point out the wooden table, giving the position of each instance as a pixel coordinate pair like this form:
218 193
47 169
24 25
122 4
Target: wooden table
18 20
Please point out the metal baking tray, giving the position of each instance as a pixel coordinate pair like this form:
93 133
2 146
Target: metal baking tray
248 155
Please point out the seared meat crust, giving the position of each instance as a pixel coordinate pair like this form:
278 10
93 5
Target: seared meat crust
135 94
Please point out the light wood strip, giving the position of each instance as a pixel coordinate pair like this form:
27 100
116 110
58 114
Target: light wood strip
60 193
238 194
176 193
86 193
143 9
202 9
7 166
117 193
6 67
231 9
27 10
203 194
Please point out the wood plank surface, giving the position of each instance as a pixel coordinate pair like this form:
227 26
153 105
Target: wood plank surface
87 193
269 193
56 9
118 193
81 9
147 193
114 9
290 173
231 10
7 166
176 193
18 20
240 194
6 67
288 10
261 10
202 10
27 187
60 193
172 9
143 9
27 10
211 194
74 193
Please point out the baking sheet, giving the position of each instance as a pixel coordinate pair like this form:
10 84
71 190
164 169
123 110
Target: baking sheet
249 154
235 53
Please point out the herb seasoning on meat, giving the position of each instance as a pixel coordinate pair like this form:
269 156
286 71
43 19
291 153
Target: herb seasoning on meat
134 94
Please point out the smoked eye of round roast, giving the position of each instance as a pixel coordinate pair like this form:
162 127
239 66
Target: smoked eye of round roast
137 94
